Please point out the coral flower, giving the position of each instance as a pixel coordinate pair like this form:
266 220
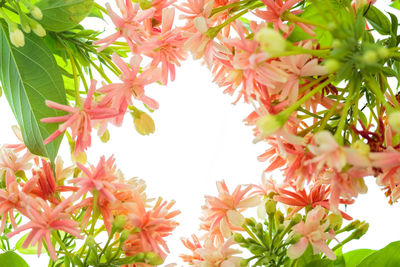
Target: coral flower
166 47
9 160
119 95
43 220
129 25
101 178
318 195
155 224
218 254
222 213
314 233
78 119
275 11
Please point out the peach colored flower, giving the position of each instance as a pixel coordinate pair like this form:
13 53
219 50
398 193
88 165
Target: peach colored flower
155 224
119 95
129 26
78 119
43 220
313 232
221 214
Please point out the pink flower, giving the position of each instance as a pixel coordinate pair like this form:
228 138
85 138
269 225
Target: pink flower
274 12
222 213
101 178
129 26
119 95
155 224
44 220
313 233
9 160
166 47
79 120
192 246
218 254
318 195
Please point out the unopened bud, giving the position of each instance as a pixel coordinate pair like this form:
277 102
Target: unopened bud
37 13
383 52
271 41
296 219
279 217
238 238
370 57
335 221
270 207
124 235
16 36
153 258
394 121
105 137
295 239
332 65
244 262
144 124
119 223
37 28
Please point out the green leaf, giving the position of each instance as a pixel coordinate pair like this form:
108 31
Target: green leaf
30 250
378 20
11 259
354 257
389 256
30 76
396 4
62 15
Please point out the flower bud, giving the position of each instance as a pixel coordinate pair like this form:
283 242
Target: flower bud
250 222
295 239
296 219
370 57
383 52
105 137
144 124
244 262
238 238
394 121
279 217
119 223
37 28
16 36
124 235
270 207
332 65
361 230
271 41
37 13
153 258
268 125
336 43
335 221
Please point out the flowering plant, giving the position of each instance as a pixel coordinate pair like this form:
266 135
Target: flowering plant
319 74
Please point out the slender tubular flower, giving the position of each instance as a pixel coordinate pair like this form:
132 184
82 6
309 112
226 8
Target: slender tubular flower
44 220
79 120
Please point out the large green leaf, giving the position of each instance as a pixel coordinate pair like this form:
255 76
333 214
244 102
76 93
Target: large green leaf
62 15
12 259
354 257
30 76
389 256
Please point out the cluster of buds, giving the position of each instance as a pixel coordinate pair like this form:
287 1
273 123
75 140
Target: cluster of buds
281 239
27 21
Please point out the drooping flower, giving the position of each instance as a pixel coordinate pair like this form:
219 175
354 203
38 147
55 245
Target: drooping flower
79 120
9 160
313 232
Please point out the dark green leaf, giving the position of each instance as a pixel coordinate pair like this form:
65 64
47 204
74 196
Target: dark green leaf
389 256
30 76
395 23
378 20
12 259
353 258
62 15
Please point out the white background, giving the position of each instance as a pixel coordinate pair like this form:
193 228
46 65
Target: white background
200 138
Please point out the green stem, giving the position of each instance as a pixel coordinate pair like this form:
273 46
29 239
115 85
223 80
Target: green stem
287 15
62 245
76 81
222 8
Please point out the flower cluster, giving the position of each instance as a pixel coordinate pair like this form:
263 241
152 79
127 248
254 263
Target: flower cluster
62 204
